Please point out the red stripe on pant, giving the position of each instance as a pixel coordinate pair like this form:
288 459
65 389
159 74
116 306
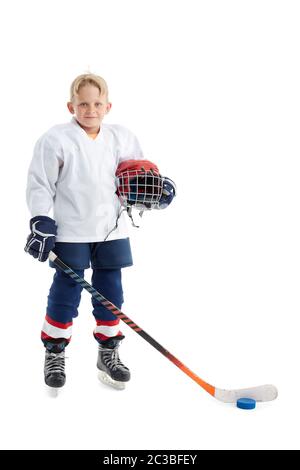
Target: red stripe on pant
54 330
49 338
57 323
106 329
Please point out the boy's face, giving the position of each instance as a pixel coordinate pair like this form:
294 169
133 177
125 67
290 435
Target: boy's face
89 108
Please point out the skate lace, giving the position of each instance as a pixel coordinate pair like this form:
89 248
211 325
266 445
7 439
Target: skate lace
111 359
56 362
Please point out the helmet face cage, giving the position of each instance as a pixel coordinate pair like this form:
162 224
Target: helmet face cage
140 189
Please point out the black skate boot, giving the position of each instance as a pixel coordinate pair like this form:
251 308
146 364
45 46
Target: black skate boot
54 369
111 369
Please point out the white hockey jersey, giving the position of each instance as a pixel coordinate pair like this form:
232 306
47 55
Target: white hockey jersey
75 175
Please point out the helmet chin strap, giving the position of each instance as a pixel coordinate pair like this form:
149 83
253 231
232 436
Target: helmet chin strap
128 209
129 212
116 225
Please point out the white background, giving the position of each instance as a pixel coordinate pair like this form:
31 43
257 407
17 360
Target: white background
211 89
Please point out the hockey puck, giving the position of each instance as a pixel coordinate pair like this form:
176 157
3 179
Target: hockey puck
246 403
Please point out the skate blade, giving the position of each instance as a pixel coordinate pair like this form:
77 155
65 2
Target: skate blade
52 391
107 380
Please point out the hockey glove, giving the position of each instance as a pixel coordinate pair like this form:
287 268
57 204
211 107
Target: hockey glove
168 193
42 238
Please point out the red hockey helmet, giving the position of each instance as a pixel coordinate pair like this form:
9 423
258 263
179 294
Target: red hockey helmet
139 184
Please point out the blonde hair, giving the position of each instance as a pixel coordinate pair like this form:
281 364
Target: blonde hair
88 79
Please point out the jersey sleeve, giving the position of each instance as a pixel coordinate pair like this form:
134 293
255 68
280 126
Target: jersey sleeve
130 148
42 176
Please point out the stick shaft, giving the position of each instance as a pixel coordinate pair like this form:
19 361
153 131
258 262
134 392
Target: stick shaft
118 313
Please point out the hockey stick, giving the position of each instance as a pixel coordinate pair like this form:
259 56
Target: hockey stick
260 393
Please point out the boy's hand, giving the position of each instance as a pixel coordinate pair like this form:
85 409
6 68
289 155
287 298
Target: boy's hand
42 238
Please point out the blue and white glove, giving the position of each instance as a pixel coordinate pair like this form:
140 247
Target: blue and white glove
168 193
42 238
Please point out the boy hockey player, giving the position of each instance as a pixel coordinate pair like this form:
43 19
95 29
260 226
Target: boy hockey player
73 172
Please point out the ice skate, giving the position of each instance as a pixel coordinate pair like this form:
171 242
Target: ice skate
111 370
54 369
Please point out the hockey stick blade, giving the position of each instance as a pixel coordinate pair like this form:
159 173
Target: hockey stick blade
260 393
